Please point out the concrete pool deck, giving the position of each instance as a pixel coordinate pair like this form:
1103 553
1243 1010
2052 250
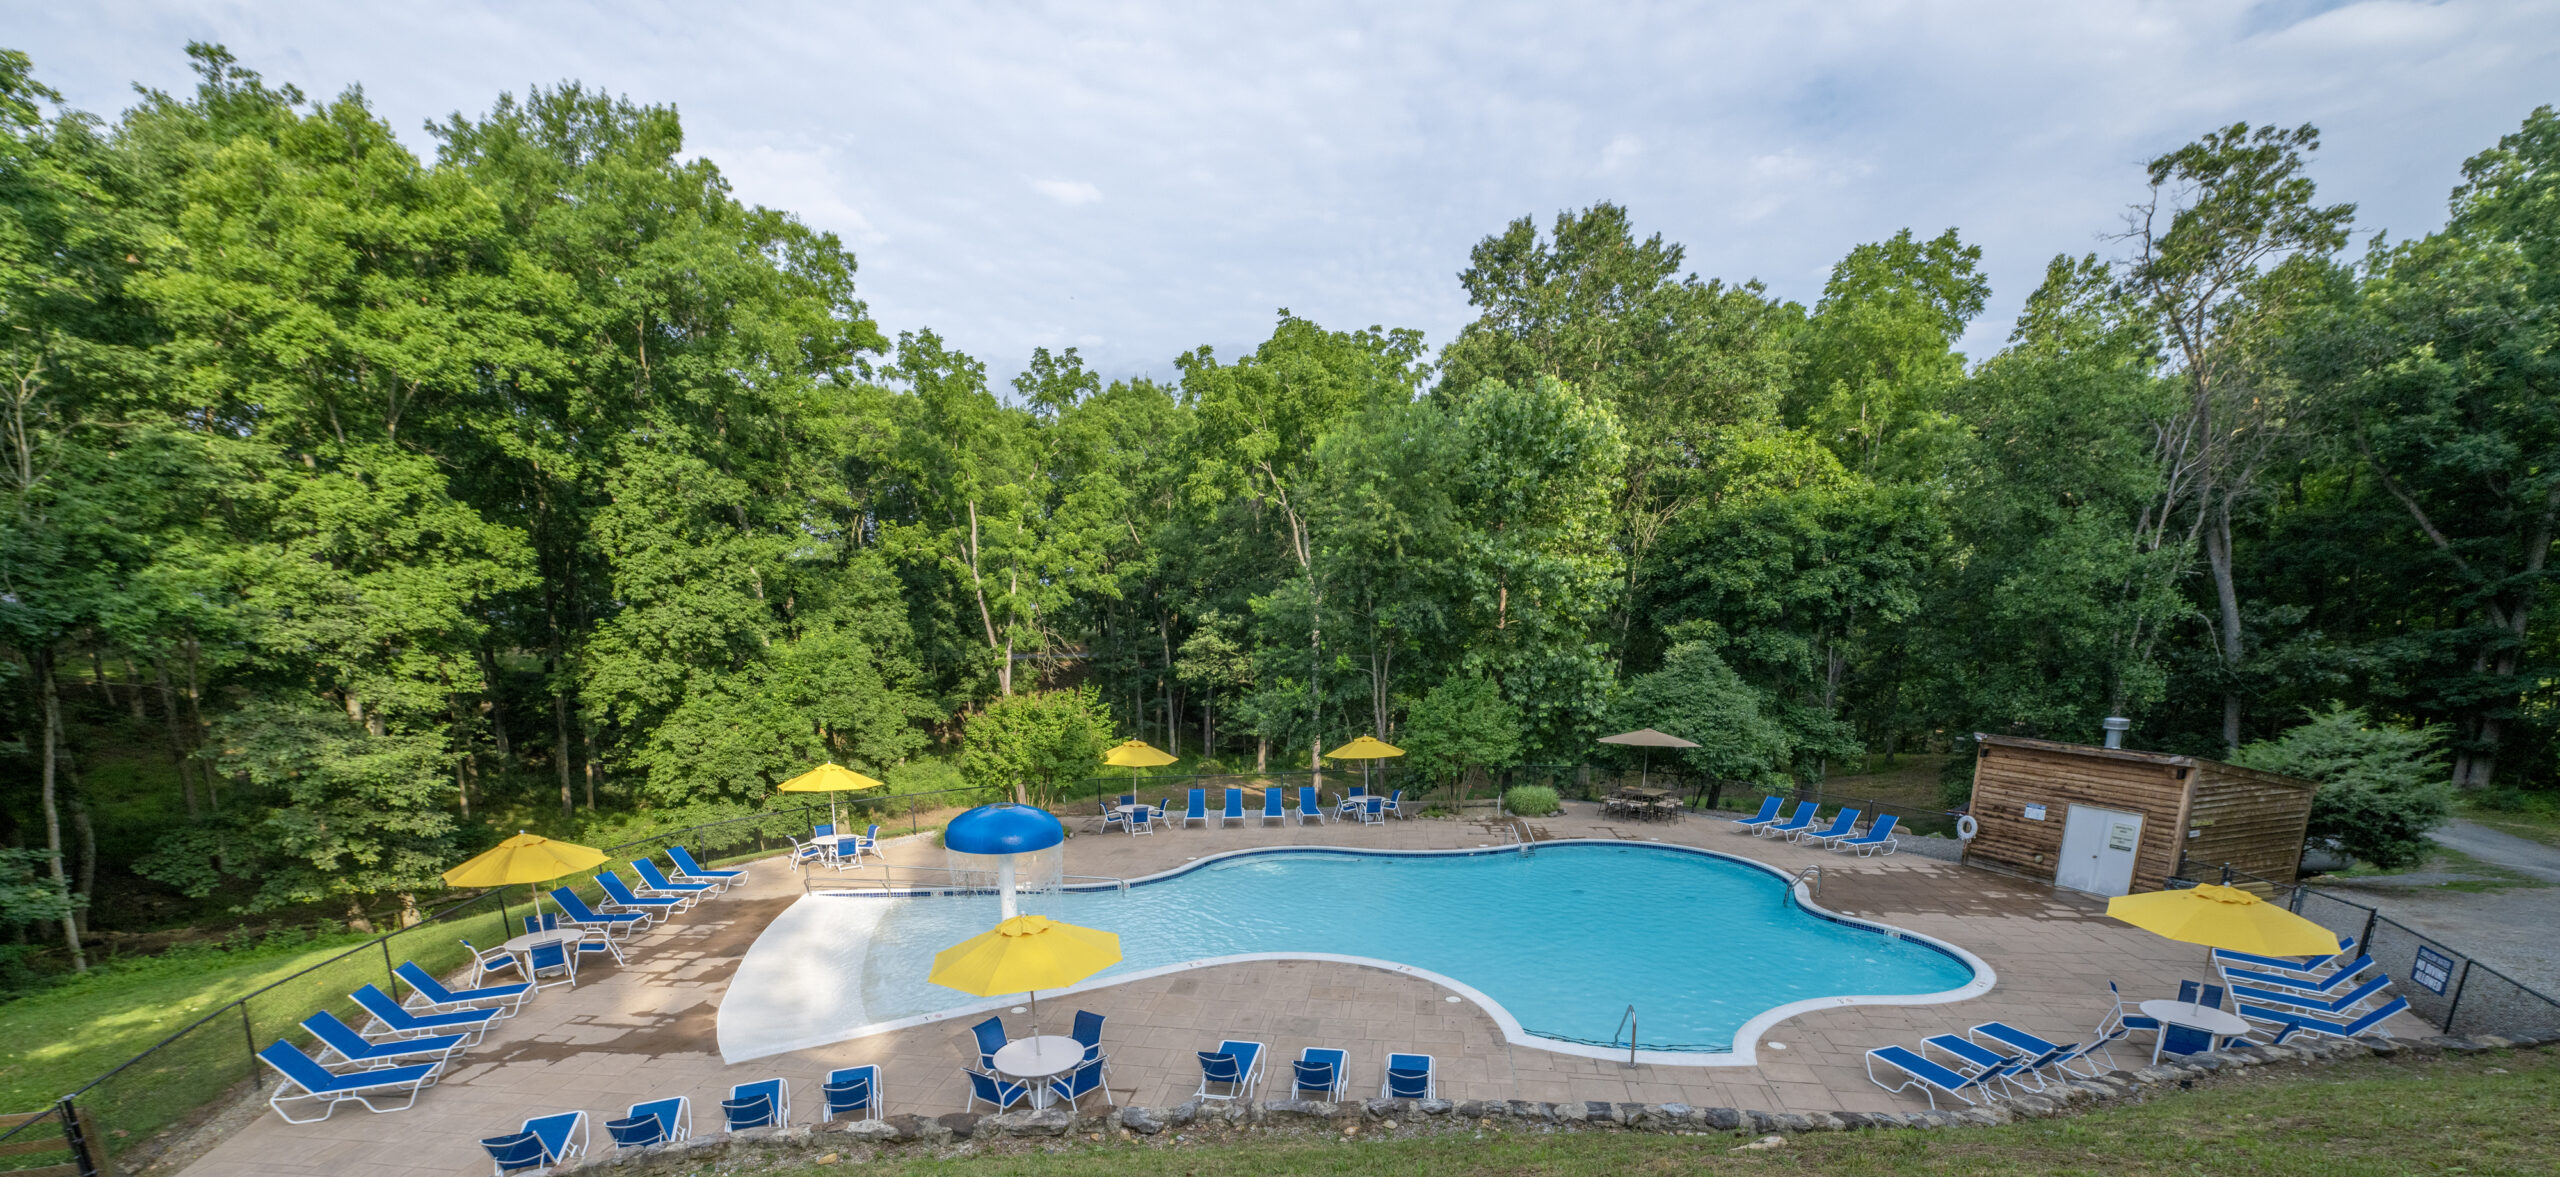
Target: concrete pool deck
648 1030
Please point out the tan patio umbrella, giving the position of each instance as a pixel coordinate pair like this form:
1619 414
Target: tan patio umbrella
1364 750
1647 739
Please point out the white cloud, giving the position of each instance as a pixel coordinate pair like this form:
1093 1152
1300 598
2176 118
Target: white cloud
1340 159
1068 192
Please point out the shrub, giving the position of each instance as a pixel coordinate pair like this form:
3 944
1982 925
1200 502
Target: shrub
1531 801
2381 787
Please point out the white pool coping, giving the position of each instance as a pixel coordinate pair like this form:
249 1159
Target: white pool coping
1746 1039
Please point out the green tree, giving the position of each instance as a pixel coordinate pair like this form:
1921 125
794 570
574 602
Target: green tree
1698 698
1037 740
2381 787
1464 722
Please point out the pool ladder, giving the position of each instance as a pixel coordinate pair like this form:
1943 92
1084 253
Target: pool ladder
1516 832
1815 871
1628 1024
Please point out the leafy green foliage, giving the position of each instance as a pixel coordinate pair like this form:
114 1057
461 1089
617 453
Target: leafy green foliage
1697 697
1037 740
1531 801
1462 723
2381 787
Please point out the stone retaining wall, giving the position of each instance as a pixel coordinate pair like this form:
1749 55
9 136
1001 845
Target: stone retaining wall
860 1139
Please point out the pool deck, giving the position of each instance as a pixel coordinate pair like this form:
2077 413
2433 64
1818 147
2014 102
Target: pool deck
647 1030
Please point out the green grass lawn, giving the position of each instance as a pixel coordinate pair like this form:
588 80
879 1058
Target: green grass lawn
2489 1114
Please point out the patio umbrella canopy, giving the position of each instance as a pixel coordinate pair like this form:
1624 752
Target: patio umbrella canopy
524 858
1138 754
2223 917
830 778
1025 954
1647 739
1364 750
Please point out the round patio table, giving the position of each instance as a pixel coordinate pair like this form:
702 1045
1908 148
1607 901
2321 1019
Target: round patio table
2217 1022
1038 1060
1129 814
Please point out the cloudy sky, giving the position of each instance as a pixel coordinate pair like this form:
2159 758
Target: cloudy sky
1139 179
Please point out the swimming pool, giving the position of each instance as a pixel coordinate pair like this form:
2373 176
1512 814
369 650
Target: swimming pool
1556 944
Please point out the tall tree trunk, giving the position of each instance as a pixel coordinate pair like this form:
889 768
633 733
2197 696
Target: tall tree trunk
133 695
88 836
177 744
2217 550
560 729
588 731
52 816
196 726
490 704
1172 720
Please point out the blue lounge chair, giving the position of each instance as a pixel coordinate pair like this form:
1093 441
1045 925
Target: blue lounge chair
542 1142
622 897
1309 808
578 915
990 1040
657 882
1198 809
853 1093
994 1092
1142 821
656 1121
758 1104
1088 1032
1275 804
2294 1023
1878 836
2295 982
317 1084
431 994
2043 1055
1235 1066
686 866
2310 1003
1086 1079
1805 811
485 963
1234 812
1841 823
2309 968
388 1019
1320 1074
1969 1056
1932 1079
553 957
1768 815
342 1040
1409 1077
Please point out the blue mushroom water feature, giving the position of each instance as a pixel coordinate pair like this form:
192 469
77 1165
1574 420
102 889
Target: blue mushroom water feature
1020 842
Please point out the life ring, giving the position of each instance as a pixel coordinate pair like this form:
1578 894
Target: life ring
1966 827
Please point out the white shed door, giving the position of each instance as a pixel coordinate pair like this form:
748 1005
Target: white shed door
2098 848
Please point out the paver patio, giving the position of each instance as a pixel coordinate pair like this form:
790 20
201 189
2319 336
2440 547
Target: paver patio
647 1030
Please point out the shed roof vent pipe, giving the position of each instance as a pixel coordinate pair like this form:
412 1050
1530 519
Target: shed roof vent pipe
2116 726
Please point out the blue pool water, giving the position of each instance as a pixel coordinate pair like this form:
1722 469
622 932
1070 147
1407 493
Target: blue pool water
1565 939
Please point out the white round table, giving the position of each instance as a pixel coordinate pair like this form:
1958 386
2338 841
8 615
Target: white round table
1129 813
520 945
1035 1061
2217 1022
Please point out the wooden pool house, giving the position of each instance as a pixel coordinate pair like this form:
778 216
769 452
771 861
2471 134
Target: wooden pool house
2110 821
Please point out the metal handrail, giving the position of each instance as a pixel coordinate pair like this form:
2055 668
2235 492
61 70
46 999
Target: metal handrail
1630 1025
1799 877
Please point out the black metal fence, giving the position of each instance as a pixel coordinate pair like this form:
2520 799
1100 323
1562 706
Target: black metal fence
124 1119
2446 986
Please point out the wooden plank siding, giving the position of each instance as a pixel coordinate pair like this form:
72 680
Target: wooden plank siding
2010 775
2253 820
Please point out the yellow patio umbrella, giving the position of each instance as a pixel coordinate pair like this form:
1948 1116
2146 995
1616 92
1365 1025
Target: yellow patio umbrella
1136 754
524 858
1025 954
1364 750
2224 917
831 779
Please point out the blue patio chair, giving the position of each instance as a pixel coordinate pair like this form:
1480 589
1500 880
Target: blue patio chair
1409 1077
2041 1055
1768 815
426 992
994 1092
575 911
1319 1073
621 896
1111 816
1352 802
827 830
1841 824
1803 819
2121 1023
316 1084
1395 805
755 1105
657 881
1309 808
1142 821
802 857
1235 1065
1967 1053
1088 1032
2313 1003
542 1141
1234 812
1275 803
544 921
686 866
853 1092
2301 1023
553 956
386 1018
1932 1079
343 1041
494 961
2309 968
990 1040
1196 808
1879 836
1128 798
656 1121
1086 1079
2294 982
1373 810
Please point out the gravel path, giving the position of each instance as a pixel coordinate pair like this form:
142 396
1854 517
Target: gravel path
2509 928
